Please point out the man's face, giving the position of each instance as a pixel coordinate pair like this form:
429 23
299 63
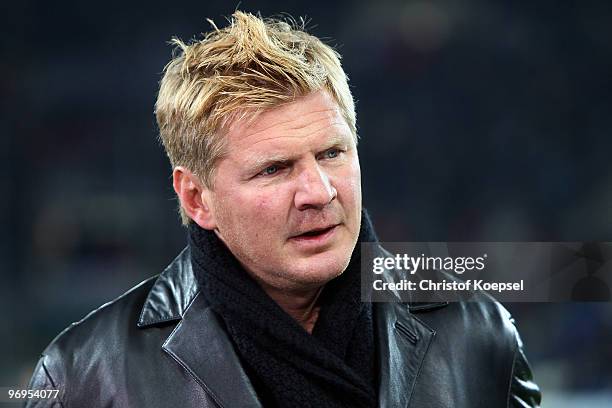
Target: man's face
287 196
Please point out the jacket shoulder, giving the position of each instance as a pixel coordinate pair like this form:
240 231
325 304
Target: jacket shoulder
98 324
157 300
481 336
93 350
76 353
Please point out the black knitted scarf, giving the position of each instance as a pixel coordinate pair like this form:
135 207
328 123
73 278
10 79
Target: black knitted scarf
288 367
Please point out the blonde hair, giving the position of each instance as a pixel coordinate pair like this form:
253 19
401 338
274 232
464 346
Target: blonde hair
235 73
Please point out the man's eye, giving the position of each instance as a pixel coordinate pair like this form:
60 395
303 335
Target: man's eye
268 171
332 153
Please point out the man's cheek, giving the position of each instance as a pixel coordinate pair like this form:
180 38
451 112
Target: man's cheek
265 202
349 190
262 205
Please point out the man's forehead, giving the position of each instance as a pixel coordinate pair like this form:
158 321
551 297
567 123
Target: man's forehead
306 114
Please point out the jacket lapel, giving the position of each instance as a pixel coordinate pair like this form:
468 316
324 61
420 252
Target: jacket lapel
201 346
403 341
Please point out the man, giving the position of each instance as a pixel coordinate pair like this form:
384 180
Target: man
263 307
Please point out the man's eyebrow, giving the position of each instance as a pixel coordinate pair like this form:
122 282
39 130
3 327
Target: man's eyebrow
337 139
262 161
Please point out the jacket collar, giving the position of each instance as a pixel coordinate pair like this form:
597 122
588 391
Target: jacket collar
171 294
198 343
202 347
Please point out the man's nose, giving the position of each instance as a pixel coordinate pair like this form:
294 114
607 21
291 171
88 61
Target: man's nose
314 188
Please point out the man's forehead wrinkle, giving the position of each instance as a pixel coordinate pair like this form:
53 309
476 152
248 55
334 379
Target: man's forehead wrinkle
298 127
336 137
293 119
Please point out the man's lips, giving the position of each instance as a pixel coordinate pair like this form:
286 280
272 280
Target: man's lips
315 232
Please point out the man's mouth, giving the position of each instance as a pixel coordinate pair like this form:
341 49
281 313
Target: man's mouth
315 234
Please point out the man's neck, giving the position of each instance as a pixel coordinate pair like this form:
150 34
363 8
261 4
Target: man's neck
301 305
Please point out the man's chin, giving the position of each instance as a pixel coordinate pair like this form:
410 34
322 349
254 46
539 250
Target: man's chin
322 267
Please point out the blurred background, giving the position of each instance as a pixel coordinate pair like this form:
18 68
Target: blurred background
479 121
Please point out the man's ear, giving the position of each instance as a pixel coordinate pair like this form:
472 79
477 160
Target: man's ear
195 198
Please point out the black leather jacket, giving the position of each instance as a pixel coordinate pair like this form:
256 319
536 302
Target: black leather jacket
160 345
